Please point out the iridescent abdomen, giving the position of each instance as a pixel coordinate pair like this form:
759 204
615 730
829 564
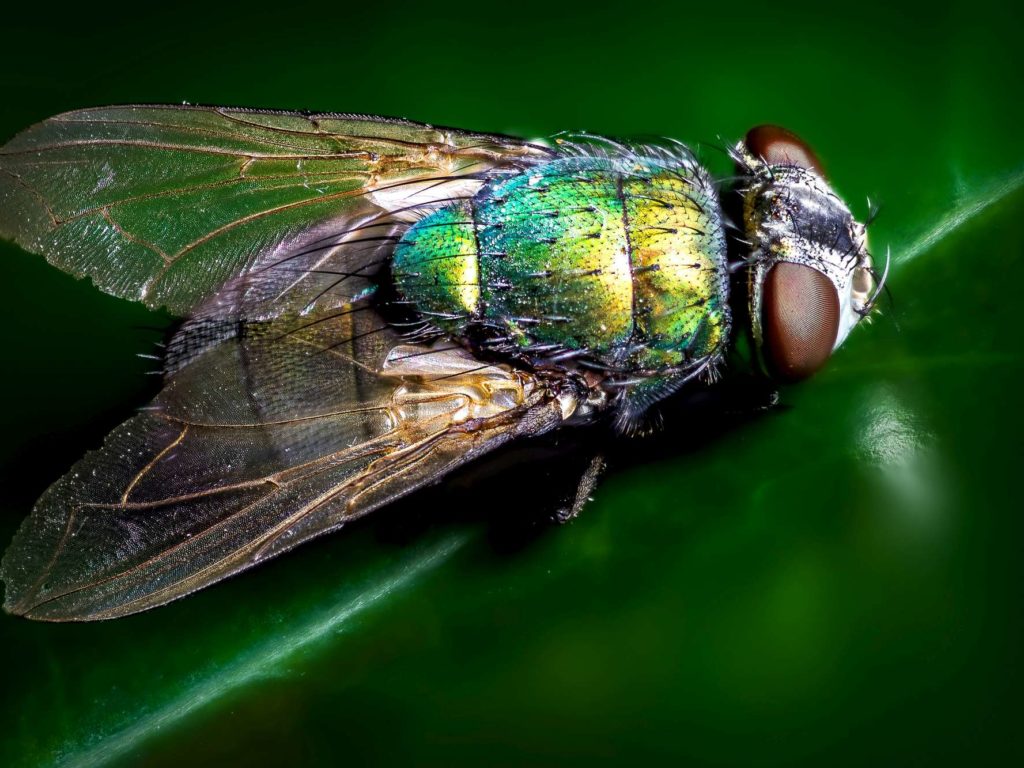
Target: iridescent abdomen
588 257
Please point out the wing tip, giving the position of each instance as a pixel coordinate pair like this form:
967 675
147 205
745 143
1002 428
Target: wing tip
16 604
31 606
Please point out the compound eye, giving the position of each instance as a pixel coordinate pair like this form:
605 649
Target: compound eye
800 320
777 146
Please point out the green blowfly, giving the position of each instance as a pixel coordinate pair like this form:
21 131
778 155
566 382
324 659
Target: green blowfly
370 303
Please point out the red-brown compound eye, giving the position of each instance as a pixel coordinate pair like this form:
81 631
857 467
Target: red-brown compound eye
777 146
799 320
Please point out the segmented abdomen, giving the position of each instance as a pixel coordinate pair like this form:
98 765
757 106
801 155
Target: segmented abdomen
626 266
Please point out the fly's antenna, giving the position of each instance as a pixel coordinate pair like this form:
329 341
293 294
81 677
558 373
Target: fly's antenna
881 284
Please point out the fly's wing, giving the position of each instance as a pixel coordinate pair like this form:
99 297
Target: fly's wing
280 433
289 406
167 204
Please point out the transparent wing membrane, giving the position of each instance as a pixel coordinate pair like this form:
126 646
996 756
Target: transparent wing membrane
263 441
165 204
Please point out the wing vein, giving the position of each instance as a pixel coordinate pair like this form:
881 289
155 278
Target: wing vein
152 463
196 538
181 148
54 221
105 213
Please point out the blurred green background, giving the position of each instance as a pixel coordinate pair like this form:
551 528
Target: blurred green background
838 581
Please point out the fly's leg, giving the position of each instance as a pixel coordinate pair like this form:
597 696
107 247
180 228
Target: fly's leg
584 489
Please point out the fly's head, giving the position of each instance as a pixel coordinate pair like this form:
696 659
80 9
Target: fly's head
810 276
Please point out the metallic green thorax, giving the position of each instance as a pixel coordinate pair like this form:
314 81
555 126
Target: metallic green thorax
620 260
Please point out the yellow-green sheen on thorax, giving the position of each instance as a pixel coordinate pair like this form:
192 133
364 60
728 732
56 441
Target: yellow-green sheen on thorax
622 261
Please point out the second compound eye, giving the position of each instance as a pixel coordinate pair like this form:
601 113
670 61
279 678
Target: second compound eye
800 320
777 146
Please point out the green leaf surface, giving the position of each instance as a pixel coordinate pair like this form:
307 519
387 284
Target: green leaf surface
836 581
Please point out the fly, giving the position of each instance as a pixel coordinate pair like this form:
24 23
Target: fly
371 303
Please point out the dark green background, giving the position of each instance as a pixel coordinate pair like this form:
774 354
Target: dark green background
836 582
